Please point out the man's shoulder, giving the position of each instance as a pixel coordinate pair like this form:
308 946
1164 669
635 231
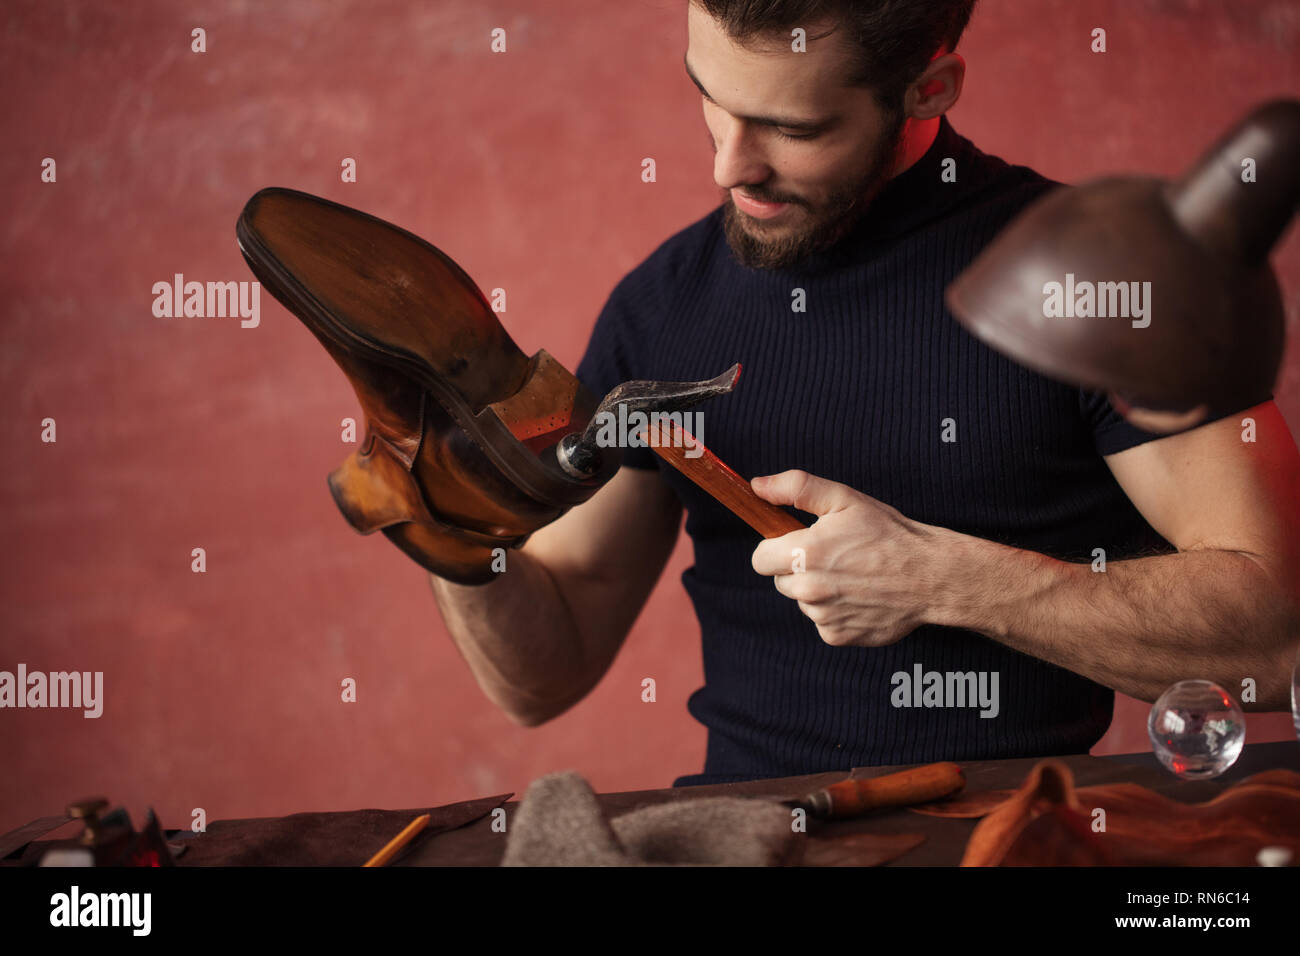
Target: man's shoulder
691 247
642 299
629 329
996 178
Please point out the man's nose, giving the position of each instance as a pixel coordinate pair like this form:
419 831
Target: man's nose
739 160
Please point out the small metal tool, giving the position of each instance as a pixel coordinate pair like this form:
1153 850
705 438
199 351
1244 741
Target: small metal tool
579 453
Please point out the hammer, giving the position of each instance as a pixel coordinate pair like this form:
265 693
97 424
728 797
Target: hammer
580 456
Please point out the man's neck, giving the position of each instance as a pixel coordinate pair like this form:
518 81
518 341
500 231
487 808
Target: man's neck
918 136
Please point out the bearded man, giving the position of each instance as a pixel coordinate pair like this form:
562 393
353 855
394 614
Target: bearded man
992 554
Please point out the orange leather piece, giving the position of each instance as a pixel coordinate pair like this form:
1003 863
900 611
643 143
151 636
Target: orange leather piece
367 491
1048 822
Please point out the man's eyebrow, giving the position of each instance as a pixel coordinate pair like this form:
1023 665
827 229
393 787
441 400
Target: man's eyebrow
784 122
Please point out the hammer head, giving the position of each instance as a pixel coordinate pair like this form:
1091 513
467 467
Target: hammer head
579 453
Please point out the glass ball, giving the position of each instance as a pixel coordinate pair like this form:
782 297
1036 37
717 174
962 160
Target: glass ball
1197 730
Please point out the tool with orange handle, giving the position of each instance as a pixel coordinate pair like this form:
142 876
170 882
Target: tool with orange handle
852 798
579 453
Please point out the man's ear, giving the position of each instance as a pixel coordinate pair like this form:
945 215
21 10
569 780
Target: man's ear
937 89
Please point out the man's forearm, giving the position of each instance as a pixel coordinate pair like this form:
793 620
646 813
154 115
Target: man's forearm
518 638
1136 627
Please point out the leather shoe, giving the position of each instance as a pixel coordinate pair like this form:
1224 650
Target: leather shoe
458 460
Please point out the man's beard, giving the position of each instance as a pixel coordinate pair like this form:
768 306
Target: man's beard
838 215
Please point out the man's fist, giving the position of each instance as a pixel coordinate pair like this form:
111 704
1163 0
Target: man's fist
862 573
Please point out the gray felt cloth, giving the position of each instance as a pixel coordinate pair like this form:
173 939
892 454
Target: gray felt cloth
559 823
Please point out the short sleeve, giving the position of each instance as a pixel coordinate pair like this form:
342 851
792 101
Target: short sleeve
608 363
1111 433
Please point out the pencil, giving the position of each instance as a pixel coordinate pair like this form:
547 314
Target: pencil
396 843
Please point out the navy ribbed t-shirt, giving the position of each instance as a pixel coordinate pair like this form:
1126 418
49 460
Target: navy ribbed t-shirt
857 389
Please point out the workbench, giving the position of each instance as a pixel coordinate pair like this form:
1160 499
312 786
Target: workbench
463 834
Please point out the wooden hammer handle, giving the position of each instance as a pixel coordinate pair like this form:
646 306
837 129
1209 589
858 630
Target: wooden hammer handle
709 472
849 798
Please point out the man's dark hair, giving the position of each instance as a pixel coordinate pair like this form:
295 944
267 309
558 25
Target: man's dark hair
894 39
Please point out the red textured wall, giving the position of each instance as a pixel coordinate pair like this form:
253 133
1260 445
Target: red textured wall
222 688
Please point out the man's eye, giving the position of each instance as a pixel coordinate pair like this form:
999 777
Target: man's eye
784 135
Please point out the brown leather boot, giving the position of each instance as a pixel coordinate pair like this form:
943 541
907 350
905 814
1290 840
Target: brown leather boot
458 459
